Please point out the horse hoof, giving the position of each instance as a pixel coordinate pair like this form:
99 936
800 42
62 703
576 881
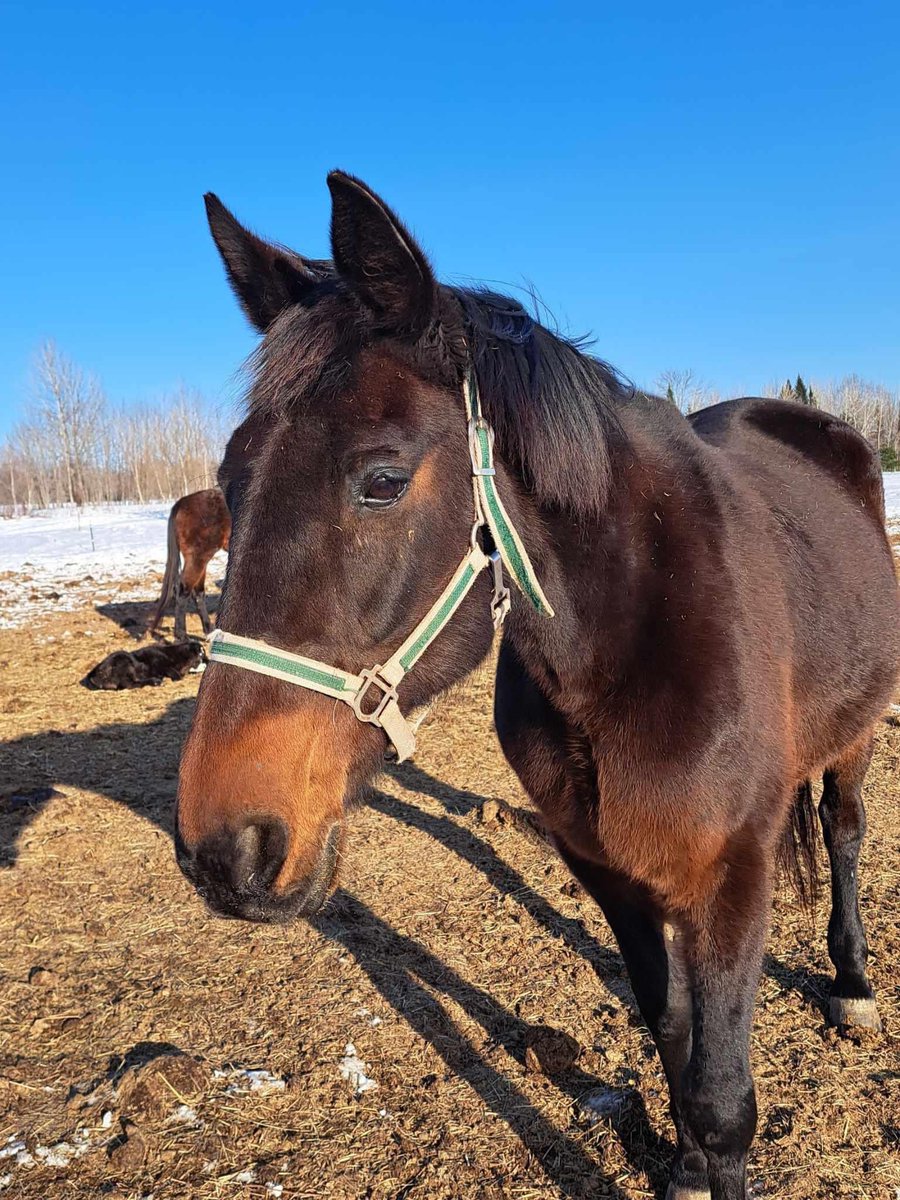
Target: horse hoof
678 1191
860 1014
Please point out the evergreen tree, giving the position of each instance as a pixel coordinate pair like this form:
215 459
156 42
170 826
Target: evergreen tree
804 393
800 392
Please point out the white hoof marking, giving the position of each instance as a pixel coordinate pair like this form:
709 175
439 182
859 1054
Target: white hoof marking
675 1192
861 1013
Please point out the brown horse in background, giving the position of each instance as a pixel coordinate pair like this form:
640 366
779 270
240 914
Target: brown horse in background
726 630
199 525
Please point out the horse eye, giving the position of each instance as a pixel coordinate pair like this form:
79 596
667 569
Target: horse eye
384 488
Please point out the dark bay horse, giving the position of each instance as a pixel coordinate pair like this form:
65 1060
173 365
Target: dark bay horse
199 525
726 629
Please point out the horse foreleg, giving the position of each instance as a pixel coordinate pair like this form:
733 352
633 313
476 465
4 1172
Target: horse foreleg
723 948
540 750
654 955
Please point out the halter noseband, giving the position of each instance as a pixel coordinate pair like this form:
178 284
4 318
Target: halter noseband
490 518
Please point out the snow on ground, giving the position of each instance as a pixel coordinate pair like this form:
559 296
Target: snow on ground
56 559
892 496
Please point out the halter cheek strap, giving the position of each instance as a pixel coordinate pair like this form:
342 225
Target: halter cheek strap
372 694
489 508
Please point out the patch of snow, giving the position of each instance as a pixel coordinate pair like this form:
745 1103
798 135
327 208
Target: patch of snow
16 1149
374 1021
55 559
353 1069
247 1176
892 495
263 1083
602 1105
84 537
185 1115
60 1154
274 1189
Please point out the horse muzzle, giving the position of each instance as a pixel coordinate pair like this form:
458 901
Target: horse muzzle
236 871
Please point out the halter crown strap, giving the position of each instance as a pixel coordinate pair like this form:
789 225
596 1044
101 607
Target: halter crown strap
372 694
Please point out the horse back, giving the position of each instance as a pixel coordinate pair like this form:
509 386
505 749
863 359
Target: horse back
818 437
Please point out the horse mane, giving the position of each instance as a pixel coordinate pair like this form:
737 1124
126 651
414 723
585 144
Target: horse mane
552 406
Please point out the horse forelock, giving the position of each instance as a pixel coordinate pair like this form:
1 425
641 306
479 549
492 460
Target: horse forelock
553 407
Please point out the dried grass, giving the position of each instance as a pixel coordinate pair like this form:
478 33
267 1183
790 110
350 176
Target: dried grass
461 936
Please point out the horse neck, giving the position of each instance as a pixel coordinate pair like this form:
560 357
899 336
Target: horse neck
603 573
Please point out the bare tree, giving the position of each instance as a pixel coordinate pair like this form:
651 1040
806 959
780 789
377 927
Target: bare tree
74 447
67 406
685 390
869 407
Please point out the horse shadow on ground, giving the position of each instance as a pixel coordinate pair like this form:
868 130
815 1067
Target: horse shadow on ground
110 760
401 969
814 986
131 616
134 616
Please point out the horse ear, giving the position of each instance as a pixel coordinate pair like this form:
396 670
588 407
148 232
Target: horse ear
378 257
266 278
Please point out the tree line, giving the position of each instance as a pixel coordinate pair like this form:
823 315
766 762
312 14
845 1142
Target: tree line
74 446
869 407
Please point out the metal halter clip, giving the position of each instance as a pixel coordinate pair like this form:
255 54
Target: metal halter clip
474 427
372 677
500 601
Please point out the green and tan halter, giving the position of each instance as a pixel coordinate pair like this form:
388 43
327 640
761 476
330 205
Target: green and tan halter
490 516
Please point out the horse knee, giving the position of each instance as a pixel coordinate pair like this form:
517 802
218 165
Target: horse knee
721 1113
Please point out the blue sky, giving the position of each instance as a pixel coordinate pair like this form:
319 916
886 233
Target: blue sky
704 185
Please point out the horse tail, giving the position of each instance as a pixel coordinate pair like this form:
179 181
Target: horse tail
797 853
170 578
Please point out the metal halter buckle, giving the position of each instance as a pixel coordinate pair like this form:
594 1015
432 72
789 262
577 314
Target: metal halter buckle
501 601
371 677
474 426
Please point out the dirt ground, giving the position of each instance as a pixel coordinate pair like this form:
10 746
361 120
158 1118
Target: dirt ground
132 1022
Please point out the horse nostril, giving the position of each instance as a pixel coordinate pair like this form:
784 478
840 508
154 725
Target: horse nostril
265 845
249 858
246 857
